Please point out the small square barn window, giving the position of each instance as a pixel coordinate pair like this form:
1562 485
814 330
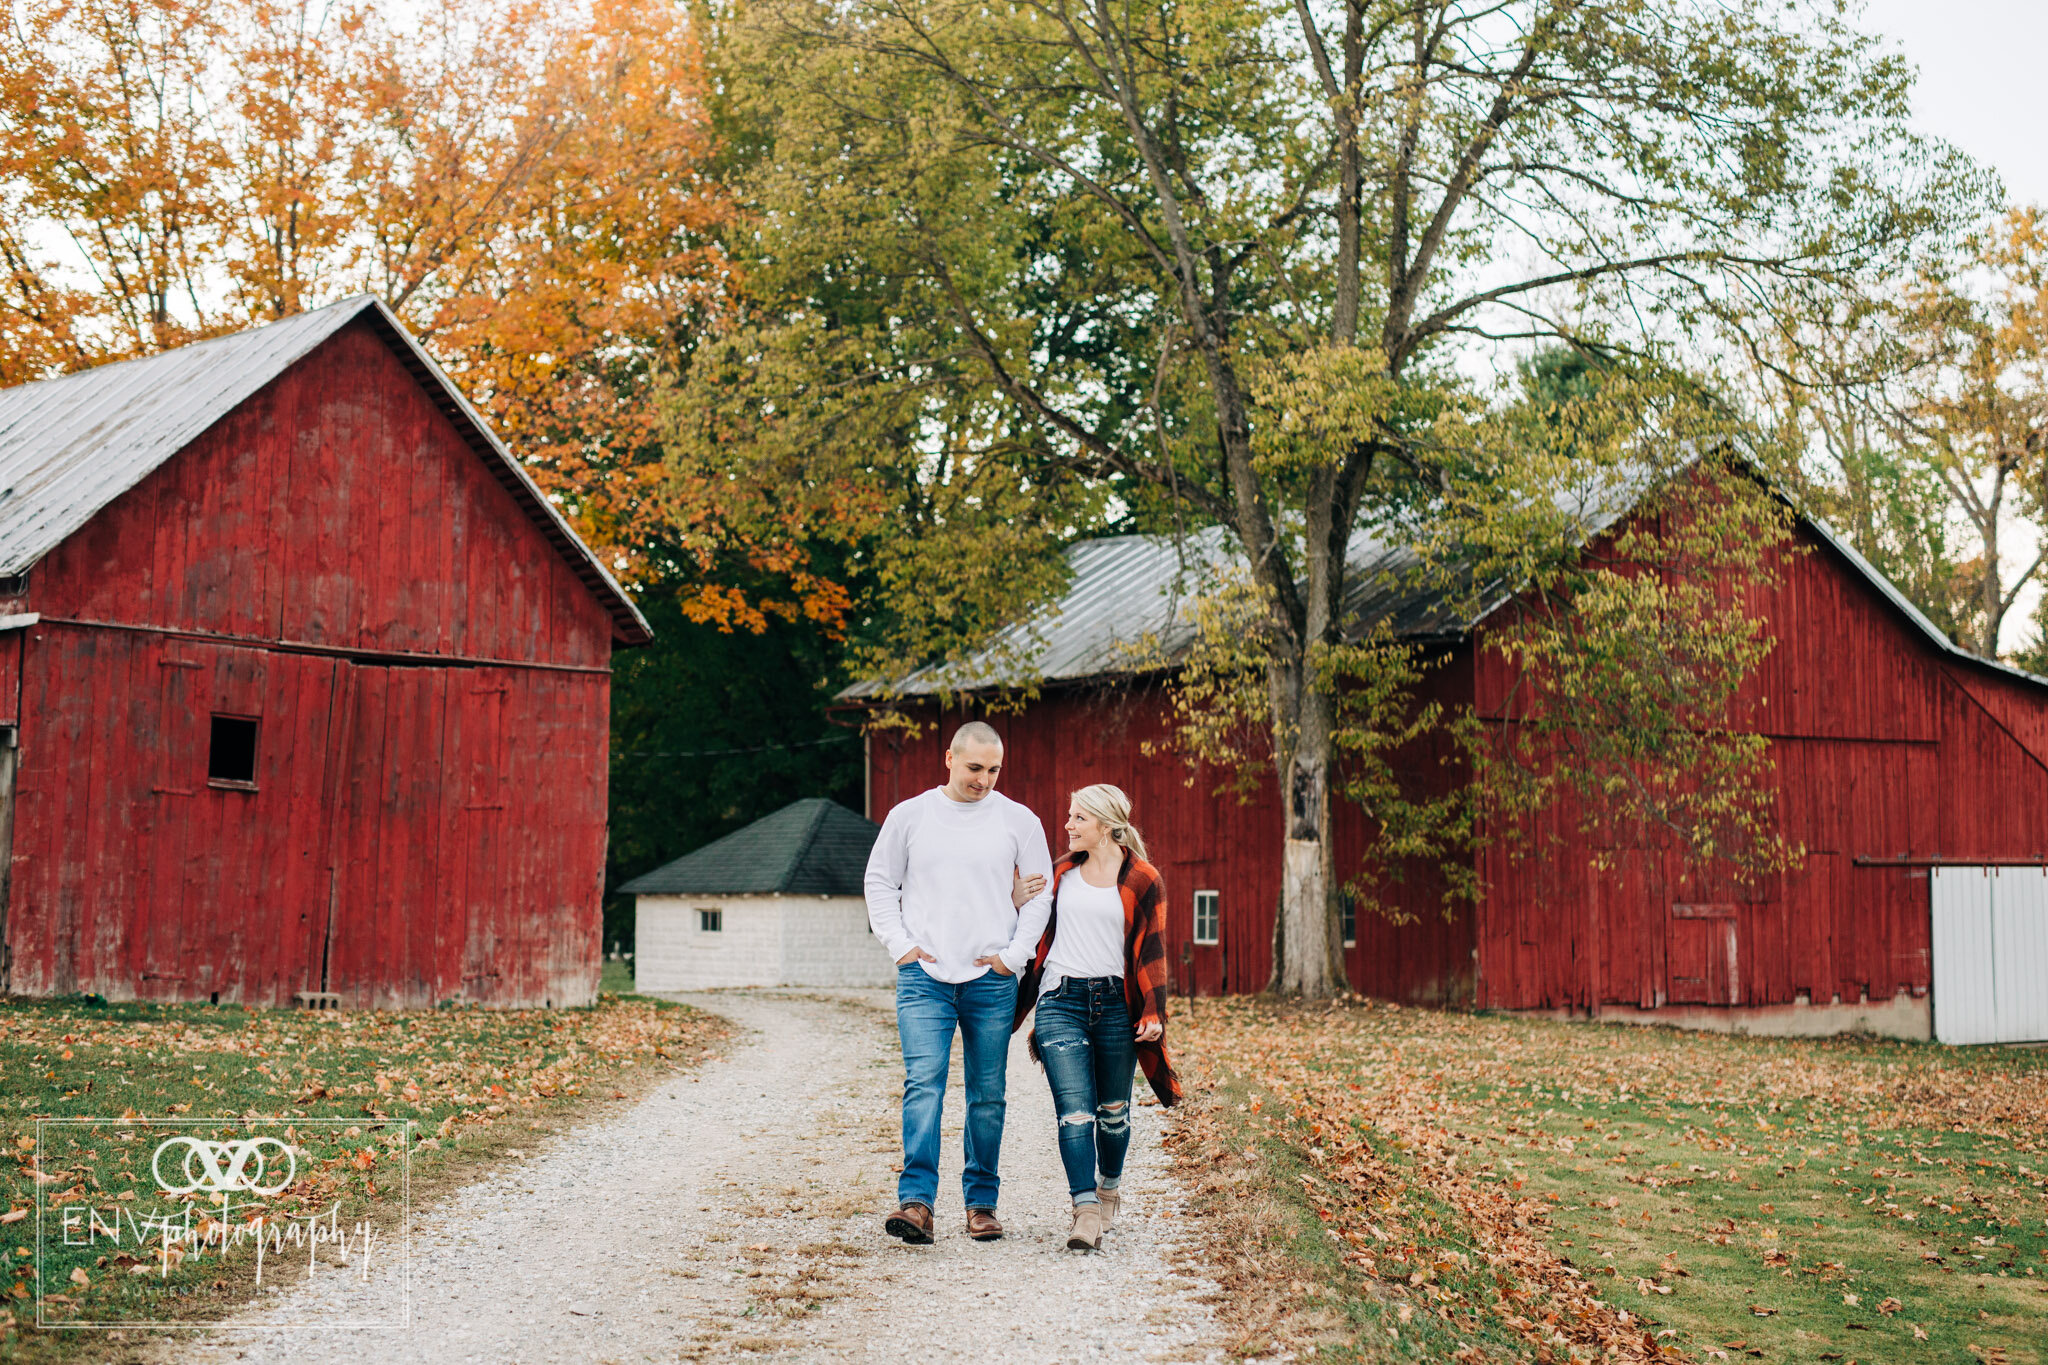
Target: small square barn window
711 921
1206 915
231 757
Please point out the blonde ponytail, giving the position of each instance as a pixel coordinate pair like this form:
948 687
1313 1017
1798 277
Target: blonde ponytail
1109 805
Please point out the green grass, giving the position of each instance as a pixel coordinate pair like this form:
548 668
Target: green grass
617 978
1810 1239
1740 1198
473 1083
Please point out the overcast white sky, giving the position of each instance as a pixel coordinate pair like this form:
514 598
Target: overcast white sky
1980 80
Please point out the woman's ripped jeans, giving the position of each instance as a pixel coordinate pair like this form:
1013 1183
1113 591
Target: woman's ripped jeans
1085 1038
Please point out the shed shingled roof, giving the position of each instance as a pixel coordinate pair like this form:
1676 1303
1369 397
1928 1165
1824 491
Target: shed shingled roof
71 445
813 847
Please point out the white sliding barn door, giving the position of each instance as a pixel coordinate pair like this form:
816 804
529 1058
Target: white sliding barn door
2019 944
1990 954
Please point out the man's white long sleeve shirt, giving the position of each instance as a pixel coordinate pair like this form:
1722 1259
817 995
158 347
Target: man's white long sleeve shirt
940 878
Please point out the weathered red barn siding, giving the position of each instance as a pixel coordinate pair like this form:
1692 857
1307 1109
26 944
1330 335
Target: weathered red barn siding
1888 752
1882 752
11 644
430 678
1072 737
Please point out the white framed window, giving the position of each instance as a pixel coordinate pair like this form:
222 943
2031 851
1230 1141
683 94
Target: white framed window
1347 914
1207 917
710 921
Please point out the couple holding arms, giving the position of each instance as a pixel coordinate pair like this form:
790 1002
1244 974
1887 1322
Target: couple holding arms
963 893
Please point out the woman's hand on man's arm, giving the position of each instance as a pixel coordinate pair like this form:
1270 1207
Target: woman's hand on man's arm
1023 888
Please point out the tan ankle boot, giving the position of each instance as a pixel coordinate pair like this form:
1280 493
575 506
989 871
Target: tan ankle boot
1112 1200
1087 1231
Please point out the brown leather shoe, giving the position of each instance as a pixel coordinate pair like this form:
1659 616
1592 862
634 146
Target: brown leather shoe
982 1225
1112 1200
912 1222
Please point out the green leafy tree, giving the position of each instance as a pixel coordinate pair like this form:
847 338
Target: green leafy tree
1975 412
714 726
1923 408
1214 261
1823 384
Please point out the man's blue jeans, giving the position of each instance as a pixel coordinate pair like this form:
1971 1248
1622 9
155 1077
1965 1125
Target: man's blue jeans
1090 1051
927 1012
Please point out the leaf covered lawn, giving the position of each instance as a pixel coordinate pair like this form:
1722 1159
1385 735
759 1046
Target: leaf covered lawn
1448 1186
473 1082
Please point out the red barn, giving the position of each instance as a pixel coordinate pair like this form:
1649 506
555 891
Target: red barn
304 684
1915 776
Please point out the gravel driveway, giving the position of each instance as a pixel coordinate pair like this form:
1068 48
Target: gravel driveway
738 1209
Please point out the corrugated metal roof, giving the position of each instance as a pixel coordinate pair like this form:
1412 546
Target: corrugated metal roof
813 847
69 446
1124 608
1123 598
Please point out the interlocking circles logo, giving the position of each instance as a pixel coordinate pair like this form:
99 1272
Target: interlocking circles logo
114 1248
224 1167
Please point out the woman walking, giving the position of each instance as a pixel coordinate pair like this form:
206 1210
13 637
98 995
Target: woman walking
1098 981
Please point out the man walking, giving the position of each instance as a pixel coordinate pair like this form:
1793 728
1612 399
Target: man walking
939 886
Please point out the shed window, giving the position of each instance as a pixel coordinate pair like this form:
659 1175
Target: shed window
711 921
231 758
1347 914
1206 915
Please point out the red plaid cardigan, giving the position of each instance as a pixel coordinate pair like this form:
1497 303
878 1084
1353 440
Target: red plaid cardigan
1144 897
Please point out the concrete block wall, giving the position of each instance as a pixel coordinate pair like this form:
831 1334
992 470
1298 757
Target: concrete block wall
672 953
766 941
826 942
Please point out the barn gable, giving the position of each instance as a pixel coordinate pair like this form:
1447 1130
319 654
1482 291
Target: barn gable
70 447
309 685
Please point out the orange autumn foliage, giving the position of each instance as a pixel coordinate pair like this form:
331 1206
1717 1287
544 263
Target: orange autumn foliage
529 191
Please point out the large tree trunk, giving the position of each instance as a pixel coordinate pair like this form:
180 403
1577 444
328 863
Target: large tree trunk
1990 590
1307 952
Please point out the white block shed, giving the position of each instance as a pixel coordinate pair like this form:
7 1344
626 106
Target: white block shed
777 903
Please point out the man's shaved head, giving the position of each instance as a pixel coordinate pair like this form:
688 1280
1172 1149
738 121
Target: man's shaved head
975 733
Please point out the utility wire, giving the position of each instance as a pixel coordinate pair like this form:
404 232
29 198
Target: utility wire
720 753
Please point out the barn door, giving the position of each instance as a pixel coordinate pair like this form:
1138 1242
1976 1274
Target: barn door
1700 954
1990 936
1617 948
2019 941
389 913
425 879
